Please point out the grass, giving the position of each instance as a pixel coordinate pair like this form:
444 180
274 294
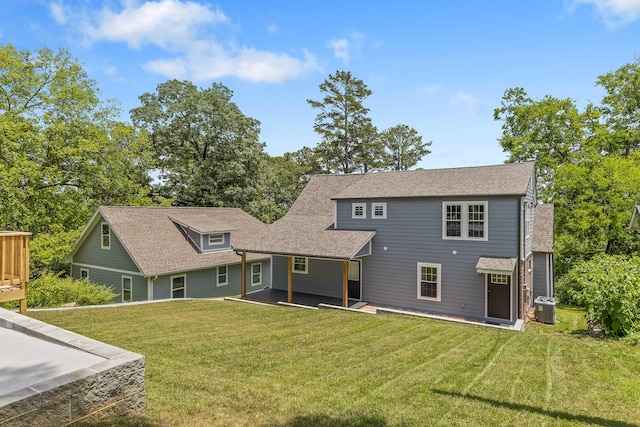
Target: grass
225 363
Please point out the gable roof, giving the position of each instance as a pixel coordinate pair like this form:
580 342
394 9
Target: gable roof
306 230
157 246
635 218
542 240
500 180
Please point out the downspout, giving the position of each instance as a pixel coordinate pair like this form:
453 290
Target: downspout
150 287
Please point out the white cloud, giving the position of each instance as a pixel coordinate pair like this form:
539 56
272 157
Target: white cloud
345 47
430 90
184 30
614 13
341 49
58 13
467 100
272 28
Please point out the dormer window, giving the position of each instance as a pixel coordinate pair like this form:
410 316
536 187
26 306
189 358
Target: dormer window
216 239
358 210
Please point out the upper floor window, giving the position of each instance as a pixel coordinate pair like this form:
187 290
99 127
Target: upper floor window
429 281
379 210
105 241
300 264
358 210
464 220
84 273
527 221
216 239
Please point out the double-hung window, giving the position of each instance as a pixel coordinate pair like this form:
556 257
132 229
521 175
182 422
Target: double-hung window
300 264
222 276
464 220
126 289
256 274
178 286
429 279
105 240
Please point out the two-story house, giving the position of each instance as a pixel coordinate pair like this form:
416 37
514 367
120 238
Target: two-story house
147 253
455 242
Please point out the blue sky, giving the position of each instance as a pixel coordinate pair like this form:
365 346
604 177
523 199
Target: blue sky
440 67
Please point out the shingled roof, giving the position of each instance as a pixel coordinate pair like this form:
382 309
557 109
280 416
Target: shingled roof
157 246
500 180
543 229
306 230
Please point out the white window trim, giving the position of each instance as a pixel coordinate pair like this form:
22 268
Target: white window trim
260 281
359 205
384 210
439 281
130 289
219 239
218 282
84 270
465 221
184 286
306 265
102 246
527 221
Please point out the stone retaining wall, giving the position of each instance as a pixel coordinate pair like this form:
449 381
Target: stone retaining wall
112 387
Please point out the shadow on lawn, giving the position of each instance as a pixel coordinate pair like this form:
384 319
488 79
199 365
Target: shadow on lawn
321 420
550 413
130 421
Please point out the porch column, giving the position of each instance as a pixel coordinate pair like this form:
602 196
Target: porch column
290 280
345 283
243 275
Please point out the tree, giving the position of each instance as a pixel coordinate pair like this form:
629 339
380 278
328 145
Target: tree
404 147
621 108
62 152
550 131
342 121
208 151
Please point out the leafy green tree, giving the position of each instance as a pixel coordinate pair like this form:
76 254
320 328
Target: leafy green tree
593 204
621 109
549 131
404 147
62 151
342 122
208 151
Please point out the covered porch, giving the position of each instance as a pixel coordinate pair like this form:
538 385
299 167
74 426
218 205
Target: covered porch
275 296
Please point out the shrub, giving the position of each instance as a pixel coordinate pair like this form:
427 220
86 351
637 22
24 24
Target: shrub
52 290
608 288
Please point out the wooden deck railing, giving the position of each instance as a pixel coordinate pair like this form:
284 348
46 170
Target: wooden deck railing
14 267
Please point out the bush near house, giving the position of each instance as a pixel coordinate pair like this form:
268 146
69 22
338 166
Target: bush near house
608 288
52 290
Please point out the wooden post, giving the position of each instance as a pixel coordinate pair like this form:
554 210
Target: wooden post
345 283
25 269
290 280
243 275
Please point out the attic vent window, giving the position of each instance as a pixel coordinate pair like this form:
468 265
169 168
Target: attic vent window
379 210
216 239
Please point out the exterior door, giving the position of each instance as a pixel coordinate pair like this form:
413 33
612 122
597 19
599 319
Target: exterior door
499 296
354 280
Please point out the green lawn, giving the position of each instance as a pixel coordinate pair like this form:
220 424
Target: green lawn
227 363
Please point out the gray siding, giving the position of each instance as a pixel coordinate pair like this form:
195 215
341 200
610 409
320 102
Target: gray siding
324 277
529 200
226 245
412 233
113 280
90 253
542 271
202 283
